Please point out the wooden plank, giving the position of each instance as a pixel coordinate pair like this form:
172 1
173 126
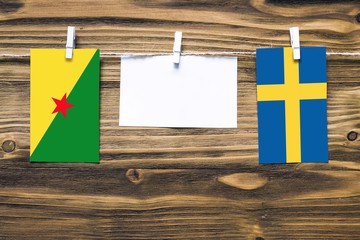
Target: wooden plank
179 183
83 201
149 25
185 147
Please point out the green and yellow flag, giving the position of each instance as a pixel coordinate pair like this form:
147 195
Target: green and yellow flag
64 106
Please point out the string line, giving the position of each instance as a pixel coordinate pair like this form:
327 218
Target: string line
129 54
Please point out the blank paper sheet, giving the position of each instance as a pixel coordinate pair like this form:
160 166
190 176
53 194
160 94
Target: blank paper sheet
200 92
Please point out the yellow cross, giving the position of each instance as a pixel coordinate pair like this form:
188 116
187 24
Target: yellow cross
292 91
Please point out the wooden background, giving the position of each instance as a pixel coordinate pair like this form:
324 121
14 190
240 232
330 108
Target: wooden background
180 183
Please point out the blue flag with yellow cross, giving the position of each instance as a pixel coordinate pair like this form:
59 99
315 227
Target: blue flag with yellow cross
291 95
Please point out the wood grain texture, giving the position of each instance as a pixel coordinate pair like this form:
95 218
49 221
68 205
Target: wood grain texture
166 183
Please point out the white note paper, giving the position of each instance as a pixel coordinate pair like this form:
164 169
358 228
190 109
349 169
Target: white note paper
200 92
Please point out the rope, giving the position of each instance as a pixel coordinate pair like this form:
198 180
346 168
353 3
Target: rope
128 54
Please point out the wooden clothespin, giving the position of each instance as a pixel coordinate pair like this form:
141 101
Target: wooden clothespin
295 42
70 42
177 47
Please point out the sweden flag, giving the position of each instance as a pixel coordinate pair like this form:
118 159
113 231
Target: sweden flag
291 97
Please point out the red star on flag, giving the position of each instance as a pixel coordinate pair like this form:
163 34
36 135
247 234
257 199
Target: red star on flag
62 105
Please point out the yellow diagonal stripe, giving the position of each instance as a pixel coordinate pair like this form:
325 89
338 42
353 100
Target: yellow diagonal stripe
292 91
51 75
